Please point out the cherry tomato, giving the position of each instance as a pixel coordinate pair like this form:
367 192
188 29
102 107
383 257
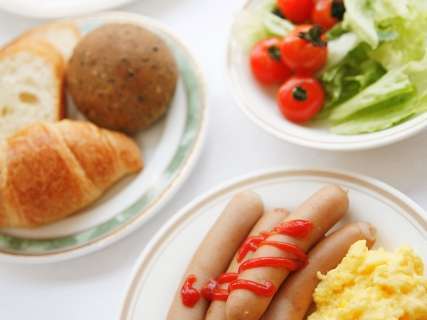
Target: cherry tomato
327 13
300 99
301 28
305 52
266 63
297 11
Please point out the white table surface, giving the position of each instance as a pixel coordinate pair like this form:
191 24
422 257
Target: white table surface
92 287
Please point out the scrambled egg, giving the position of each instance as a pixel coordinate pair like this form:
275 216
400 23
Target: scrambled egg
373 285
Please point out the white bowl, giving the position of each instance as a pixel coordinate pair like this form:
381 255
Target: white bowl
260 106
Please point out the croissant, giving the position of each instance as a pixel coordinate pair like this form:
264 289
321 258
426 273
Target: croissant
51 170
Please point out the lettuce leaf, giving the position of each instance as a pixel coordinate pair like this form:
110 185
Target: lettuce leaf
359 18
337 31
353 74
417 72
386 9
255 24
409 43
394 85
390 66
382 117
340 47
396 97
375 21
277 26
249 28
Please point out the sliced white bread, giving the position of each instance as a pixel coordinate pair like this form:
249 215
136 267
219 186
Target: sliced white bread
31 85
61 35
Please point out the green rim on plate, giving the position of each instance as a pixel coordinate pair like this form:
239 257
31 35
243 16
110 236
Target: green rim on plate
194 91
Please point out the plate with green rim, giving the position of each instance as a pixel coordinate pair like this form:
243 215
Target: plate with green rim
170 149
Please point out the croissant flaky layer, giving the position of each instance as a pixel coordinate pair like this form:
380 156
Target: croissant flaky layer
51 170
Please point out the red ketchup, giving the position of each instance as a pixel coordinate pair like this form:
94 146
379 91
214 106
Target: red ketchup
287 247
250 245
275 262
295 228
266 290
189 295
227 278
212 291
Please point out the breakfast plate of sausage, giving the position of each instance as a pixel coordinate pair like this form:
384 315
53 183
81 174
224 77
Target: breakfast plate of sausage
286 244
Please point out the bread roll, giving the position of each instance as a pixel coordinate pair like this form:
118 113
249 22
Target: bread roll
51 170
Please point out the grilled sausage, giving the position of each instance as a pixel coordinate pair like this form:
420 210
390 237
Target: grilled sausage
324 209
267 222
294 298
217 250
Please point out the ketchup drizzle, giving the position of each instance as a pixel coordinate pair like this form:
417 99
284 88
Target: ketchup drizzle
295 228
250 245
212 291
227 278
189 295
266 290
287 247
275 262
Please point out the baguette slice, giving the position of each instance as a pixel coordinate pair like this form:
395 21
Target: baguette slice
31 85
63 36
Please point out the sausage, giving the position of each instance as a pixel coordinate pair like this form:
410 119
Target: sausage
294 298
217 250
324 209
267 222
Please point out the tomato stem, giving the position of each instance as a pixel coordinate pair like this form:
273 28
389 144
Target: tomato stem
274 53
314 36
338 9
299 94
277 12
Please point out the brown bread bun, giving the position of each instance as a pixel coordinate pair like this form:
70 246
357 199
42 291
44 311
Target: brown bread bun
122 77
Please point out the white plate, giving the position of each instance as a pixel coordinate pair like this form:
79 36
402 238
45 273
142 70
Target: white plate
260 106
170 149
58 8
162 264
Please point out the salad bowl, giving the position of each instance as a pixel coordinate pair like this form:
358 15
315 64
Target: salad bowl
259 102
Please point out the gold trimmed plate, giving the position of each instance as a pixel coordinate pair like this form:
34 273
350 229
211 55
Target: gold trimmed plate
160 267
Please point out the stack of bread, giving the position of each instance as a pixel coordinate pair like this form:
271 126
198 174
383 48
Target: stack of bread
32 70
52 167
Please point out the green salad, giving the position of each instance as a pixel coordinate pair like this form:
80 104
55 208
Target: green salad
375 76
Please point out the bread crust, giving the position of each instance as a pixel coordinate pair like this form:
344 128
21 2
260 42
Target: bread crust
48 53
51 170
122 77
38 34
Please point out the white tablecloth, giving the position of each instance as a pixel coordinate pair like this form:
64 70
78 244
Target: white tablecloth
92 287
